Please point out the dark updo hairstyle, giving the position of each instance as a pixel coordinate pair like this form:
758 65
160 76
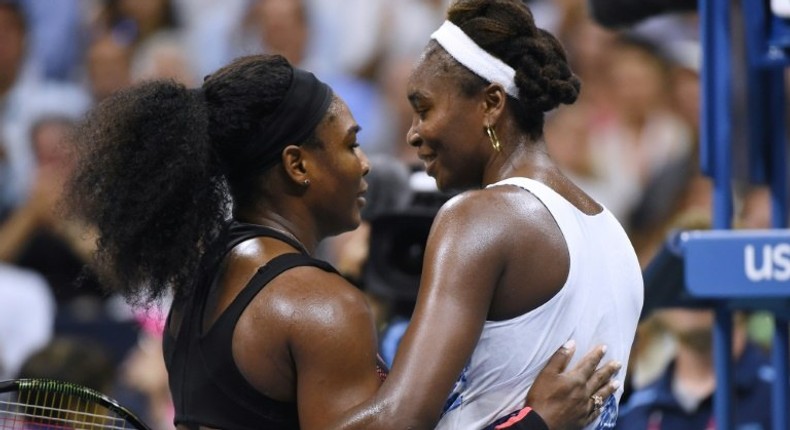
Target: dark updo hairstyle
154 172
506 29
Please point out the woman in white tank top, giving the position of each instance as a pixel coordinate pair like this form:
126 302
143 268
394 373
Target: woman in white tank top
520 262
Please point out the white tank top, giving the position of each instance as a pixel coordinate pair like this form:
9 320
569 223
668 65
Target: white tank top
599 303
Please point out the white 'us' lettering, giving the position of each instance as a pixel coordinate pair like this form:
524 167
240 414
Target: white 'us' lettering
772 265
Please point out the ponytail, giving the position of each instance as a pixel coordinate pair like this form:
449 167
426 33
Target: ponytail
148 180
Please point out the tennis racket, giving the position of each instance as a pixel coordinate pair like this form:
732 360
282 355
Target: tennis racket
45 404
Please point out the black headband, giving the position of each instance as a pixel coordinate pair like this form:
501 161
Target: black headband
304 105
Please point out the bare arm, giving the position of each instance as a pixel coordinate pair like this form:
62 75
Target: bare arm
332 338
463 264
462 267
335 358
327 362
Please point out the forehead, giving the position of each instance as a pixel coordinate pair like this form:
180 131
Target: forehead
426 66
338 120
435 72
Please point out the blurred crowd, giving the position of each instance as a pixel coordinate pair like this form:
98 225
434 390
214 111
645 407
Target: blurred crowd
630 141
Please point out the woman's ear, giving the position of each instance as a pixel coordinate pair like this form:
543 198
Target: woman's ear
295 163
494 101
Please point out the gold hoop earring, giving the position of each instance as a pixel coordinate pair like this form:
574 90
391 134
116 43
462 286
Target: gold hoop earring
493 138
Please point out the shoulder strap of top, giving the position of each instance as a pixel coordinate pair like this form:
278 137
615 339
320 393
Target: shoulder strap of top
216 350
266 273
237 232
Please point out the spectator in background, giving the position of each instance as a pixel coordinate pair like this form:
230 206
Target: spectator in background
16 160
643 135
621 13
24 96
27 316
686 59
588 52
674 384
143 376
645 128
682 396
755 208
72 359
131 22
35 236
12 43
163 56
57 38
679 186
210 31
754 211
108 64
285 27
404 26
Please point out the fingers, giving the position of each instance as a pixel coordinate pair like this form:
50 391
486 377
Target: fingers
603 393
559 361
607 389
590 361
602 377
594 413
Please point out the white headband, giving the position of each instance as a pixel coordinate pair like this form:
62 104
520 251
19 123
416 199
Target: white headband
475 58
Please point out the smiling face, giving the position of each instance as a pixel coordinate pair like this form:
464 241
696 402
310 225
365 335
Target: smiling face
337 168
448 123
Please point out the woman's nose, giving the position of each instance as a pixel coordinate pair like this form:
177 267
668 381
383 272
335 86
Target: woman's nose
413 138
365 163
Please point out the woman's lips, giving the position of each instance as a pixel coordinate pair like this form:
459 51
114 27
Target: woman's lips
430 162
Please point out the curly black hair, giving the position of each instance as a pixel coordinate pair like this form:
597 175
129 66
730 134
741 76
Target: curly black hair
507 30
156 174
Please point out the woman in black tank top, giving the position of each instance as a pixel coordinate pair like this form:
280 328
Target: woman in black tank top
218 197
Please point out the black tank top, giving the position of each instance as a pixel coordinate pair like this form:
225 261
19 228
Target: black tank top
207 387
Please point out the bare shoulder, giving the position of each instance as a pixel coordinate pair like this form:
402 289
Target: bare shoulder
496 207
311 296
302 321
306 308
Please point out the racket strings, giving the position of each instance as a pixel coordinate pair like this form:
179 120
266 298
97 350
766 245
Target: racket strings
50 411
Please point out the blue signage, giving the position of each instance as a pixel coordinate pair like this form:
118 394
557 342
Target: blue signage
737 263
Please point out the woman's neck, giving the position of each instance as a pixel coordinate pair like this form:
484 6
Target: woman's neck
288 226
532 160
523 159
